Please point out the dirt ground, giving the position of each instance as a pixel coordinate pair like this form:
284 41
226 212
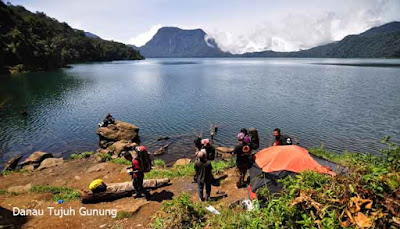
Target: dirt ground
74 174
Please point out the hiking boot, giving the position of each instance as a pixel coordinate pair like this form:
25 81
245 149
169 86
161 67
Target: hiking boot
148 196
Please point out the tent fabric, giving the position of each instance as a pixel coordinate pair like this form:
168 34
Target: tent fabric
260 179
288 158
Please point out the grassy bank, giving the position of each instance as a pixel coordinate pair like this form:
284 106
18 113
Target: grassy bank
367 196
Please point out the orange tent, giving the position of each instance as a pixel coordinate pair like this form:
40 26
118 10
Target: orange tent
277 162
290 158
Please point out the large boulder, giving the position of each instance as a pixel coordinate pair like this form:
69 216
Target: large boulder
182 161
224 152
119 131
20 189
117 147
34 160
50 162
13 162
224 149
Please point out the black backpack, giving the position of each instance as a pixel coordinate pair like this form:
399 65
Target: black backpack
255 141
286 140
145 161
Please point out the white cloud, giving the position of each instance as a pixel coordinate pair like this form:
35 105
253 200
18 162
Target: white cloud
299 30
143 38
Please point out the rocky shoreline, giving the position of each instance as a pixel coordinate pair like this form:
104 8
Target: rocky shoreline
113 140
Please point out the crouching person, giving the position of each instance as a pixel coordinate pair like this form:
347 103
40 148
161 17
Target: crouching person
137 175
204 175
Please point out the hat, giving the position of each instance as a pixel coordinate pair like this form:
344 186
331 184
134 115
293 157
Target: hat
141 149
240 136
205 141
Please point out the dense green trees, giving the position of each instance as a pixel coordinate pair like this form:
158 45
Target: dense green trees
34 41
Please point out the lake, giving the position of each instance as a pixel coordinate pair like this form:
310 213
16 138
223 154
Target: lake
333 102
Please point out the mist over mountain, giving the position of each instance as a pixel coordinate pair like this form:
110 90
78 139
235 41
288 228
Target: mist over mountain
378 42
176 42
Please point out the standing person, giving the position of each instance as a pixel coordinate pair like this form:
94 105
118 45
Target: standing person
243 152
137 175
280 139
209 149
204 175
197 143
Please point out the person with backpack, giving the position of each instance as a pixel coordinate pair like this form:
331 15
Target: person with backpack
280 139
137 171
243 162
204 175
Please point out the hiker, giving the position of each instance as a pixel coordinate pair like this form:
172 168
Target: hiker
209 149
109 119
197 143
204 175
137 174
243 162
280 139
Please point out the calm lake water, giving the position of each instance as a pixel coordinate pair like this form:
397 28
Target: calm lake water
342 107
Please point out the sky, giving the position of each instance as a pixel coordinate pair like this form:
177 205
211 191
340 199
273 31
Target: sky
238 26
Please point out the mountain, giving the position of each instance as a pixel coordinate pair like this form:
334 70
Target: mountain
378 42
92 35
176 42
88 34
35 42
134 47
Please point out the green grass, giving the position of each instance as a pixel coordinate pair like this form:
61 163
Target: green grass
81 155
64 193
123 215
5 192
9 172
159 163
121 161
180 212
185 170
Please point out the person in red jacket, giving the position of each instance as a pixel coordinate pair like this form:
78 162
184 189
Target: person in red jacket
137 175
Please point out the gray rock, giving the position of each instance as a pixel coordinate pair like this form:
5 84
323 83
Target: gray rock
20 189
51 162
13 162
182 161
35 159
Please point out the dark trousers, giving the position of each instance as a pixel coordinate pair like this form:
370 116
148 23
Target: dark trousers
138 185
242 174
208 190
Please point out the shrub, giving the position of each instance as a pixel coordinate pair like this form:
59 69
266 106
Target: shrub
180 212
80 155
159 163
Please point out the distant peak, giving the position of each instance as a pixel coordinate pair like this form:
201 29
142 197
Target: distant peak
176 29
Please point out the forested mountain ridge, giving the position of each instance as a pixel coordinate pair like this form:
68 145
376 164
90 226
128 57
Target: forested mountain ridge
35 42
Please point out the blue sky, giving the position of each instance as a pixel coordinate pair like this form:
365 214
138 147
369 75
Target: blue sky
237 26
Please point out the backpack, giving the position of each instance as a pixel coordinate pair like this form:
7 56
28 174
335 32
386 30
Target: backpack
145 161
255 141
286 140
